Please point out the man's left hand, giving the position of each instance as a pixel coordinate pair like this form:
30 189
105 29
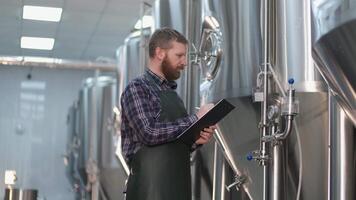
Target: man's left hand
205 135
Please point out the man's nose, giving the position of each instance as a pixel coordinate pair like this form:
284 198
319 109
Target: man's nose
184 62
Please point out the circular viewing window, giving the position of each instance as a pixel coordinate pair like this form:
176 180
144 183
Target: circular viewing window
210 48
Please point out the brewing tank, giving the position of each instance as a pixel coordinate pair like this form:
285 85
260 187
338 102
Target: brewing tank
132 59
97 99
236 31
183 16
334 31
231 33
291 57
71 157
91 123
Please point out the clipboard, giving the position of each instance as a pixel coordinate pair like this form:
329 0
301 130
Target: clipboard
213 116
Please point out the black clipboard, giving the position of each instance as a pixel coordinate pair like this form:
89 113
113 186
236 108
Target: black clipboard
213 116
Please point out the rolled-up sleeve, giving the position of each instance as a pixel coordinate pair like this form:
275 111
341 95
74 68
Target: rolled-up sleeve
140 109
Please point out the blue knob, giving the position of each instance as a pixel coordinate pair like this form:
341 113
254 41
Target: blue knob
291 81
249 157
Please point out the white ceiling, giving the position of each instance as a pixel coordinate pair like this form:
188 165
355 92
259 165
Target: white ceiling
88 28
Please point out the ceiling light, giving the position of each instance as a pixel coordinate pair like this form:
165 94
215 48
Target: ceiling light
42 13
37 43
33 85
147 22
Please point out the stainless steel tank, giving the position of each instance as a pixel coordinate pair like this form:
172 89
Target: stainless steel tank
231 29
20 194
291 57
228 36
334 31
97 136
71 157
334 25
241 26
129 56
170 13
342 168
184 16
132 59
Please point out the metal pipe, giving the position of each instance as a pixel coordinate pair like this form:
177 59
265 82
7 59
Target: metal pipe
56 63
265 84
264 131
188 71
342 145
226 151
223 180
278 170
124 165
218 176
93 135
219 138
287 130
142 42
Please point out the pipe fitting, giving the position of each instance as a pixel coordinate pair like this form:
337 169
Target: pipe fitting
239 180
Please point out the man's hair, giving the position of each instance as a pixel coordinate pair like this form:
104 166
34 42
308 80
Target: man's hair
162 38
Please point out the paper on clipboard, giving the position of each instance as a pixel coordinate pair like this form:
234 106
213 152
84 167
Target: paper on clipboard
213 116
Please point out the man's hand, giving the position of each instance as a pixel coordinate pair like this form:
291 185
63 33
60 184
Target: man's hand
205 135
204 109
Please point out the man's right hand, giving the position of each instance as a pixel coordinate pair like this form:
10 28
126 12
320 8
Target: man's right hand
204 109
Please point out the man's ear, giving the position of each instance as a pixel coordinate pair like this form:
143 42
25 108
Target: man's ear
160 53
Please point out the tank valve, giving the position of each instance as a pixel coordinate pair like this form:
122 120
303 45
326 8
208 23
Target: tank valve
238 182
249 157
256 155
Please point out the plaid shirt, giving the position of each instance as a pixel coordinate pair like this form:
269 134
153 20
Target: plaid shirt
140 124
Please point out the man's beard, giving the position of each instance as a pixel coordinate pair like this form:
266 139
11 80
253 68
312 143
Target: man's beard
168 70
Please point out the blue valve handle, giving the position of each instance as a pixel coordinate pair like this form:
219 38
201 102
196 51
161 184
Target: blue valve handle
249 157
291 81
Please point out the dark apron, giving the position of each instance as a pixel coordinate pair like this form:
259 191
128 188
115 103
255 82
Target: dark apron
162 172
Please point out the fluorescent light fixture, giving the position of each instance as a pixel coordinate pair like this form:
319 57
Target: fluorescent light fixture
37 43
42 13
32 97
33 85
147 22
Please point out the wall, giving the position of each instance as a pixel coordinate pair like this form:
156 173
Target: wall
33 130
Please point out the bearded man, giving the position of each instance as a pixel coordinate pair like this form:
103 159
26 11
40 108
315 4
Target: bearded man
153 116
